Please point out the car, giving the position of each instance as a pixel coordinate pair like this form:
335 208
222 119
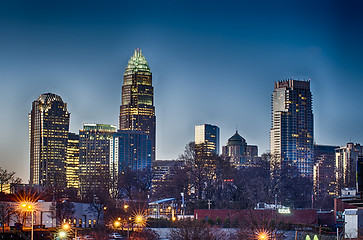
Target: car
115 236
87 237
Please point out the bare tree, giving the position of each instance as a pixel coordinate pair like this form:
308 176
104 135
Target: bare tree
145 234
127 184
5 212
7 177
97 207
194 230
62 210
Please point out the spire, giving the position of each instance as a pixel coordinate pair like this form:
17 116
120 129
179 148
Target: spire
137 63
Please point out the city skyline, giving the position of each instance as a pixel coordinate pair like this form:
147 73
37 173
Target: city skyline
211 63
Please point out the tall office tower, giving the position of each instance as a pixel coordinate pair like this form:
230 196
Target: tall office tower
48 133
324 173
292 132
72 161
346 158
207 135
129 149
94 157
137 111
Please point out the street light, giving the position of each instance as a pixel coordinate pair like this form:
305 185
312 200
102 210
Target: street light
29 207
140 220
263 235
66 227
117 224
62 234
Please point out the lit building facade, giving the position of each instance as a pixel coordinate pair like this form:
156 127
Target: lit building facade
207 135
137 111
346 158
324 170
292 130
94 157
72 161
48 133
251 154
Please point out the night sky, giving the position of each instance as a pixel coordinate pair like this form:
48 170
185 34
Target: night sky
212 62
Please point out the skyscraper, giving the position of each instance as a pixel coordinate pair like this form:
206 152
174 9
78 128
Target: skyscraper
94 157
346 158
208 135
48 130
137 111
72 161
129 149
292 132
324 174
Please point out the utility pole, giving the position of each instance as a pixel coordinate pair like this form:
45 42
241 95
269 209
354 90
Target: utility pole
182 205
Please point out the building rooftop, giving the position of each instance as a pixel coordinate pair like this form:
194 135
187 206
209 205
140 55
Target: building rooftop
47 98
137 63
236 140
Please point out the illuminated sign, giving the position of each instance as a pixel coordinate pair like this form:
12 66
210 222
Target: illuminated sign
284 210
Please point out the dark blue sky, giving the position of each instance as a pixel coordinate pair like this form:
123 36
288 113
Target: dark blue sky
212 62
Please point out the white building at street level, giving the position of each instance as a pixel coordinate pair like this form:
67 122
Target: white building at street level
353 223
43 216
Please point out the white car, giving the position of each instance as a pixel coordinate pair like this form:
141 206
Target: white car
115 236
87 237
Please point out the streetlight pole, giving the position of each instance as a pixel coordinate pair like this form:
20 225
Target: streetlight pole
29 207
32 234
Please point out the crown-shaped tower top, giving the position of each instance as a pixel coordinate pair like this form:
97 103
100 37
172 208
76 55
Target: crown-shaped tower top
137 63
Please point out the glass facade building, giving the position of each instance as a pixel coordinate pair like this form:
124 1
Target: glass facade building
324 170
346 158
48 134
137 111
94 157
72 161
292 130
208 135
129 149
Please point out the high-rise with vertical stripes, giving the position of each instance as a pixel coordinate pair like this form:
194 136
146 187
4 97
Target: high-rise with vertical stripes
137 111
48 134
292 128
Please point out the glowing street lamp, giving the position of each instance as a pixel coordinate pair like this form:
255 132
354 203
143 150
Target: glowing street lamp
263 235
66 227
140 220
62 234
117 224
29 207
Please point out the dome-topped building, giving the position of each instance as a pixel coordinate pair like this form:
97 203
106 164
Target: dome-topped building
236 140
239 153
